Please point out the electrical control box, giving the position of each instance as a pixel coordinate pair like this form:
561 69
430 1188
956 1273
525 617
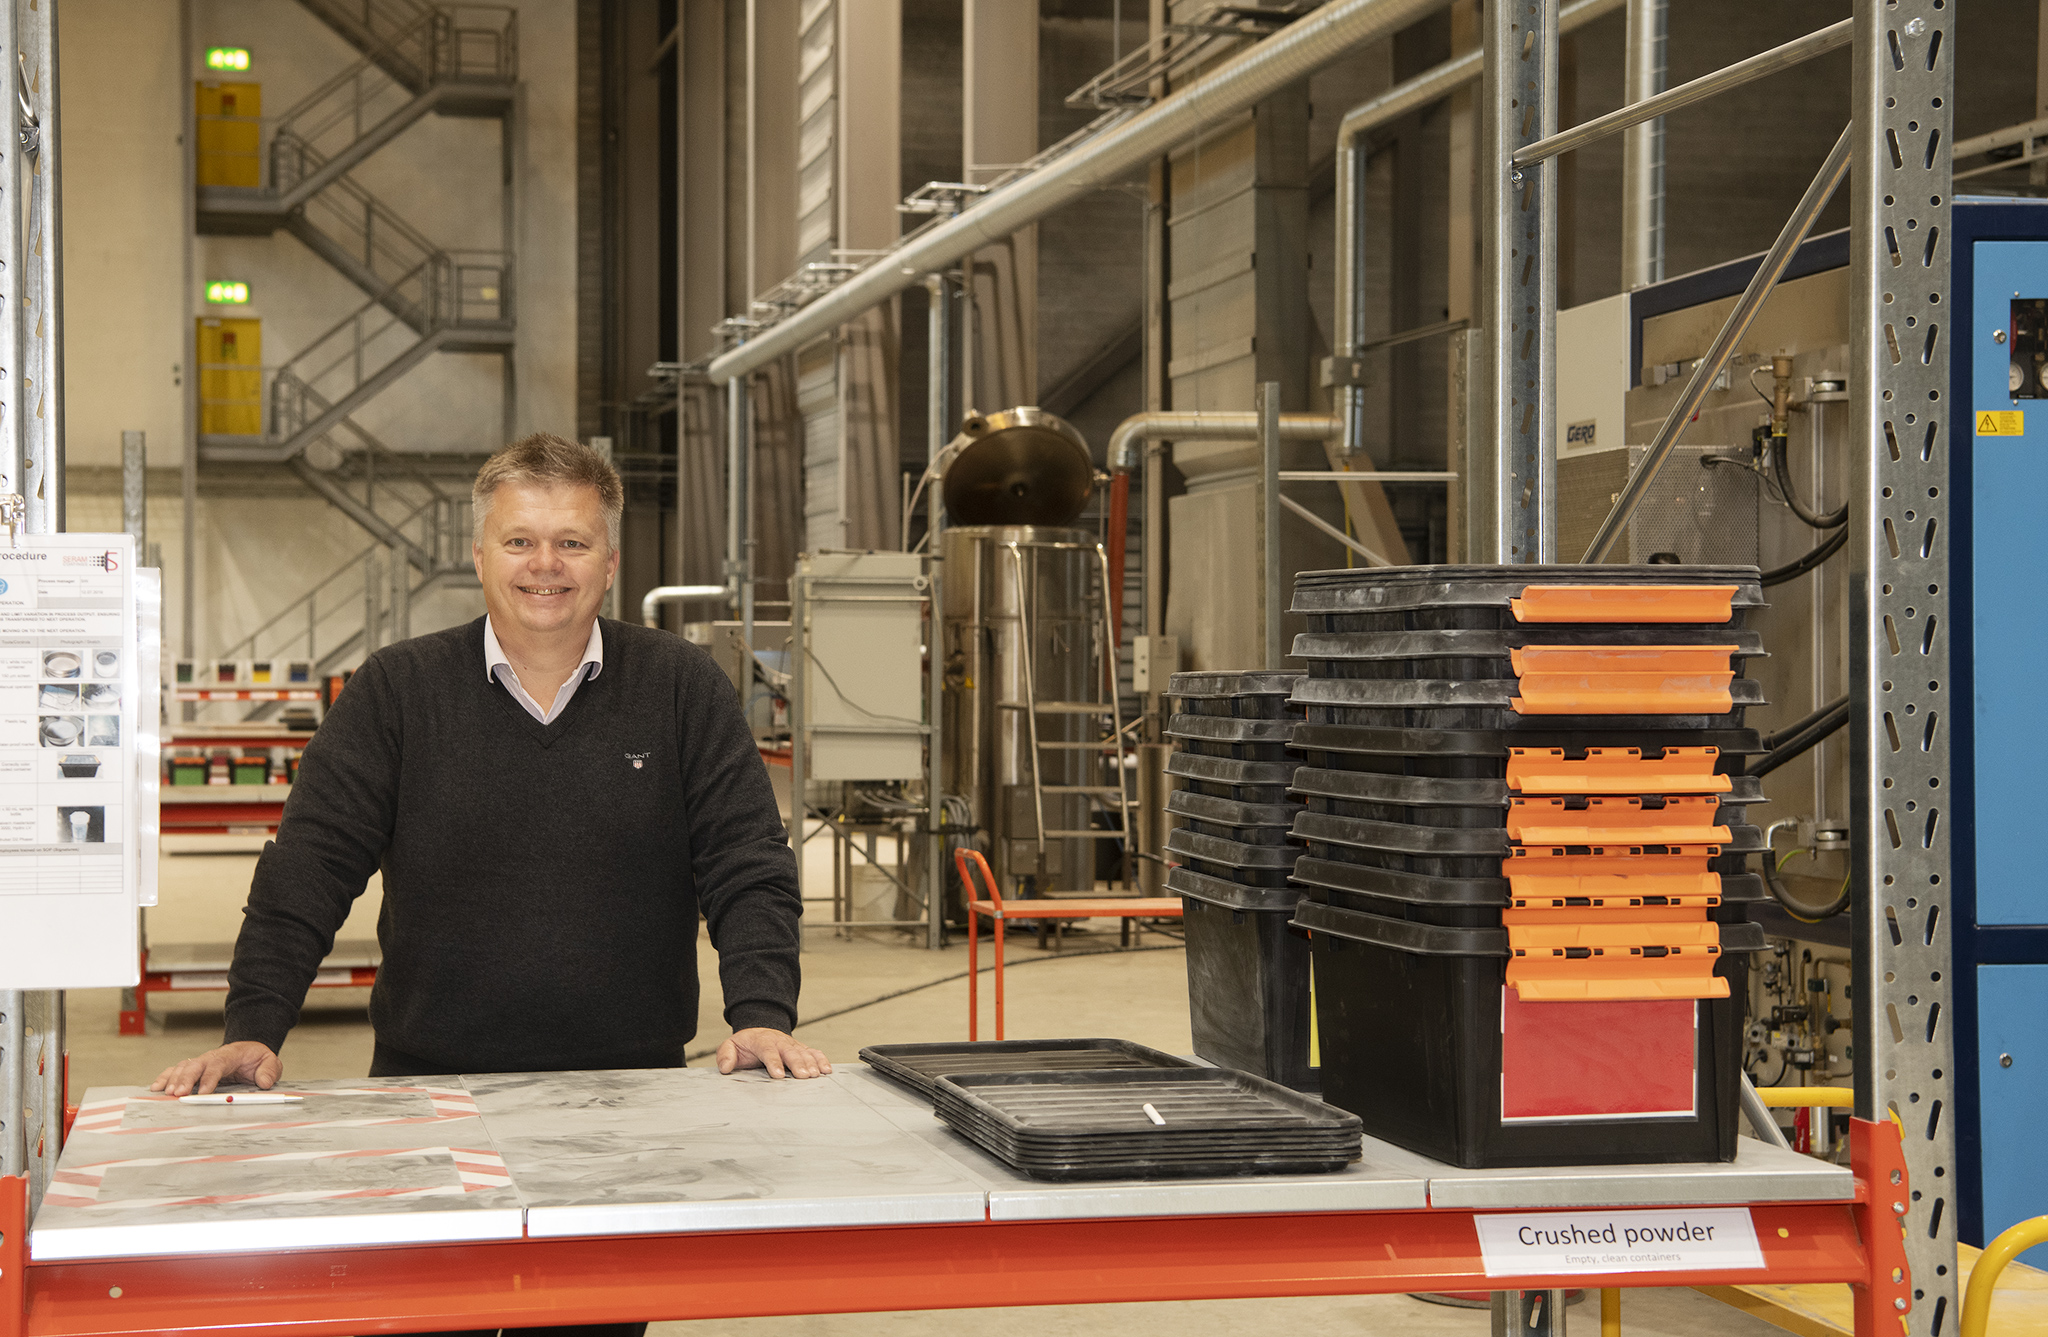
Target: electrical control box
1999 567
1154 659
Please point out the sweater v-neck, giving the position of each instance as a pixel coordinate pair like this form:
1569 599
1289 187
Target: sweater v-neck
547 735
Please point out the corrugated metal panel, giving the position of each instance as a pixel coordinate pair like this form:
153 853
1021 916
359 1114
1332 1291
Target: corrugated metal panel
1213 309
817 131
817 403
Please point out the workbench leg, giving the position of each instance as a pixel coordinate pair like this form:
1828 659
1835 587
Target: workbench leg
13 1255
1529 1314
1879 1162
1610 1312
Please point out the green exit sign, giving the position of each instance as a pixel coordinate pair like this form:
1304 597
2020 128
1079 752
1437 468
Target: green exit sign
227 58
227 292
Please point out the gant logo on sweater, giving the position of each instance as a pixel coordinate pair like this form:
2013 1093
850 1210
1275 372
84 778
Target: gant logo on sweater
639 759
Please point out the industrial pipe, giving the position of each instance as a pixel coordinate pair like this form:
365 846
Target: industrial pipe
651 602
1210 426
1709 366
1236 86
1831 38
1345 374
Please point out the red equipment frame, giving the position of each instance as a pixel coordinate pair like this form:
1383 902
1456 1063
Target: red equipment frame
537 1282
1064 907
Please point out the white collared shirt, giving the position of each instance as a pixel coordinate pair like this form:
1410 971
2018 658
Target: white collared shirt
496 665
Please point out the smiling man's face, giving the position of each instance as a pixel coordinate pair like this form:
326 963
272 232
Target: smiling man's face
544 559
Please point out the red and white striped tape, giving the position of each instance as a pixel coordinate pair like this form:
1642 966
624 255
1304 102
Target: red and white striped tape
475 1170
106 1116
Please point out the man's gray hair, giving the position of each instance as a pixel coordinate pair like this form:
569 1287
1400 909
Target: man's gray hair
550 460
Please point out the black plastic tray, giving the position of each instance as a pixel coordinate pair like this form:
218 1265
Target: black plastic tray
1229 812
1226 895
1399 741
1242 683
1460 694
1430 587
1231 853
1393 885
1496 643
920 1066
1229 729
1223 770
1092 1125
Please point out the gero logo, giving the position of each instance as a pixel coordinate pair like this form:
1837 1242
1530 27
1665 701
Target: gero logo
1580 433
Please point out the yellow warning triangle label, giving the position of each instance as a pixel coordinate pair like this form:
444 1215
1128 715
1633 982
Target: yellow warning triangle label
2007 422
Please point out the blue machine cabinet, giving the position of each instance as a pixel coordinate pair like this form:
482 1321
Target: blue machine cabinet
2001 577
2000 745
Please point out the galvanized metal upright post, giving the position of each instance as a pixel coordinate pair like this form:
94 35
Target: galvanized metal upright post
1642 154
1902 93
135 490
938 346
1511 488
1273 581
40 311
31 425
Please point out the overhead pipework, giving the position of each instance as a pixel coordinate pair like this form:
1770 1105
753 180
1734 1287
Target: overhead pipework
1236 86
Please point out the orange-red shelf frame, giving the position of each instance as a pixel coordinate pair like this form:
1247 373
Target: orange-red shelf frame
538 1282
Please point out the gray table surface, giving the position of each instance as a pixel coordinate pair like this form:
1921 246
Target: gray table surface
660 1152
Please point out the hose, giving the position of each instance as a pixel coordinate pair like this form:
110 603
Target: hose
1774 741
1834 519
1793 570
1801 742
1806 911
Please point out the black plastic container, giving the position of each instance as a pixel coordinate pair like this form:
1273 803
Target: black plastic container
1248 973
1237 738
1243 695
1409 1020
1478 598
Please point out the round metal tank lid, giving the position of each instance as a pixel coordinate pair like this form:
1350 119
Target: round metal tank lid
1023 466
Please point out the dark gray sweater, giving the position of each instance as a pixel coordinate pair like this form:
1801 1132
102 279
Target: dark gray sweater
542 883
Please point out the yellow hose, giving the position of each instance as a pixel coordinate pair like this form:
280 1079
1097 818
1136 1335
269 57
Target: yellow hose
1792 1097
1990 1263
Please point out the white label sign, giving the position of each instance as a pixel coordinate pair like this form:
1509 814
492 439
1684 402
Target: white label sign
1707 1239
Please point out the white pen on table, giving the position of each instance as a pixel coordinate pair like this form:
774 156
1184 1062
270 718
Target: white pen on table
1154 1115
243 1098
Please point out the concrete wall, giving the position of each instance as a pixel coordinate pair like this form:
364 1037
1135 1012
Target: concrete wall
123 86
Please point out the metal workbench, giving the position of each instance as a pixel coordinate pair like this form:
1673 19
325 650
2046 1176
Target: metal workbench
613 1196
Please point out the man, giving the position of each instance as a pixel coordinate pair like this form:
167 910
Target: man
551 798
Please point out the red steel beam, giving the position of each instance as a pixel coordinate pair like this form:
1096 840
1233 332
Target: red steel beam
329 1293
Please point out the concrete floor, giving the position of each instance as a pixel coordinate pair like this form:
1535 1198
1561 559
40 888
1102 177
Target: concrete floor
864 991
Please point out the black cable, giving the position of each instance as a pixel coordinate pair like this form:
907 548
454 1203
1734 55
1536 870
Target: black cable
1793 570
1776 740
1834 519
1798 745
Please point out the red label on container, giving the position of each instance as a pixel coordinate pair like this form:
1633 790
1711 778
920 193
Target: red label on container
1597 1060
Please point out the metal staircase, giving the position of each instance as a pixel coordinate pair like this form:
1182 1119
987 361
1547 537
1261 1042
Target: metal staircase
417 59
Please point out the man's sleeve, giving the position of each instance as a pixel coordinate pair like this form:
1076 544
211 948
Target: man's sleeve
336 825
740 858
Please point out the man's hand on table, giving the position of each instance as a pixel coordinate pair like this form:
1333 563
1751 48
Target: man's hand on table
781 1053
244 1061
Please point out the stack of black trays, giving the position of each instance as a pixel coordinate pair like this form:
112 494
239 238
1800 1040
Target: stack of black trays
1248 970
1152 1123
1528 908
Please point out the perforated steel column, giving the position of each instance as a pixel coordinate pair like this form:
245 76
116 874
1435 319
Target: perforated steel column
1512 472
1899 584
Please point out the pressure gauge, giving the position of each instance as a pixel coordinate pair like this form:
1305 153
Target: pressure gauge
2015 378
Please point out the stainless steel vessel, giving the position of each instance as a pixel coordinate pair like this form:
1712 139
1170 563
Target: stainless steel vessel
1022 630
